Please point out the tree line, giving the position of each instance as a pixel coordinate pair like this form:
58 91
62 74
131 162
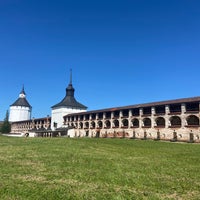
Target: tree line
5 126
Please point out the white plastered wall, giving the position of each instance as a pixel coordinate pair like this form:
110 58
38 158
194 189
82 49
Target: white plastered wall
57 115
19 113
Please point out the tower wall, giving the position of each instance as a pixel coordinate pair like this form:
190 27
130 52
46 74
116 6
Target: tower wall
19 113
57 115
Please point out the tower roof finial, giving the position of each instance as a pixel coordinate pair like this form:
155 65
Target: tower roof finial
23 92
69 100
70 76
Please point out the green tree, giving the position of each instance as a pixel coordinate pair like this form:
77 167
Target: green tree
6 127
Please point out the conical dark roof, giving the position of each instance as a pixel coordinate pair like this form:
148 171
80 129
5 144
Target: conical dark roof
69 100
21 101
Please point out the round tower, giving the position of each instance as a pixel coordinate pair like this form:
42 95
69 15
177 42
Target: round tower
20 110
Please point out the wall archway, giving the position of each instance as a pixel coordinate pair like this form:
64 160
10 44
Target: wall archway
192 120
86 124
125 122
93 124
135 123
147 122
100 124
107 124
160 121
175 121
116 123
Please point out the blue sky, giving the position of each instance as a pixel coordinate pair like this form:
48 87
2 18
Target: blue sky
121 52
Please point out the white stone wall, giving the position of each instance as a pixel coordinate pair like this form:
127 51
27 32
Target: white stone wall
57 115
182 132
19 113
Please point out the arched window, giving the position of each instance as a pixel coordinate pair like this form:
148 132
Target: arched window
81 125
116 123
107 124
135 123
192 120
86 124
175 121
93 125
100 124
160 121
125 122
147 122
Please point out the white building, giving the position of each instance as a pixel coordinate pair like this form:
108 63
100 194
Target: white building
20 110
67 106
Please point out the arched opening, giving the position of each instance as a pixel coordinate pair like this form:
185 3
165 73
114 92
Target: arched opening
147 122
93 125
160 122
192 120
86 124
100 124
135 123
175 121
81 125
107 124
116 123
72 124
125 122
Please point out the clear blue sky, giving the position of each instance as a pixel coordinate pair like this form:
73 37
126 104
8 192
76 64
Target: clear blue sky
121 52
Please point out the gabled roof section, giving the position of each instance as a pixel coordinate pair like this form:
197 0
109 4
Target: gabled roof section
69 100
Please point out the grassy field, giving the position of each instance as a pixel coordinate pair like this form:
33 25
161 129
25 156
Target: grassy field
89 168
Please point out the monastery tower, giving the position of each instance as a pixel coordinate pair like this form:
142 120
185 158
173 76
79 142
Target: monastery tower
20 110
67 106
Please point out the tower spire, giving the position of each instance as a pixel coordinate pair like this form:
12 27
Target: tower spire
23 91
70 89
70 77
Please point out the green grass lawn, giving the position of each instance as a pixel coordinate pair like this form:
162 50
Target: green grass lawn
89 168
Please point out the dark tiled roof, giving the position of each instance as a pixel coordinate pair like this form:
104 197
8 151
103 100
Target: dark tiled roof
21 102
159 103
69 101
35 119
